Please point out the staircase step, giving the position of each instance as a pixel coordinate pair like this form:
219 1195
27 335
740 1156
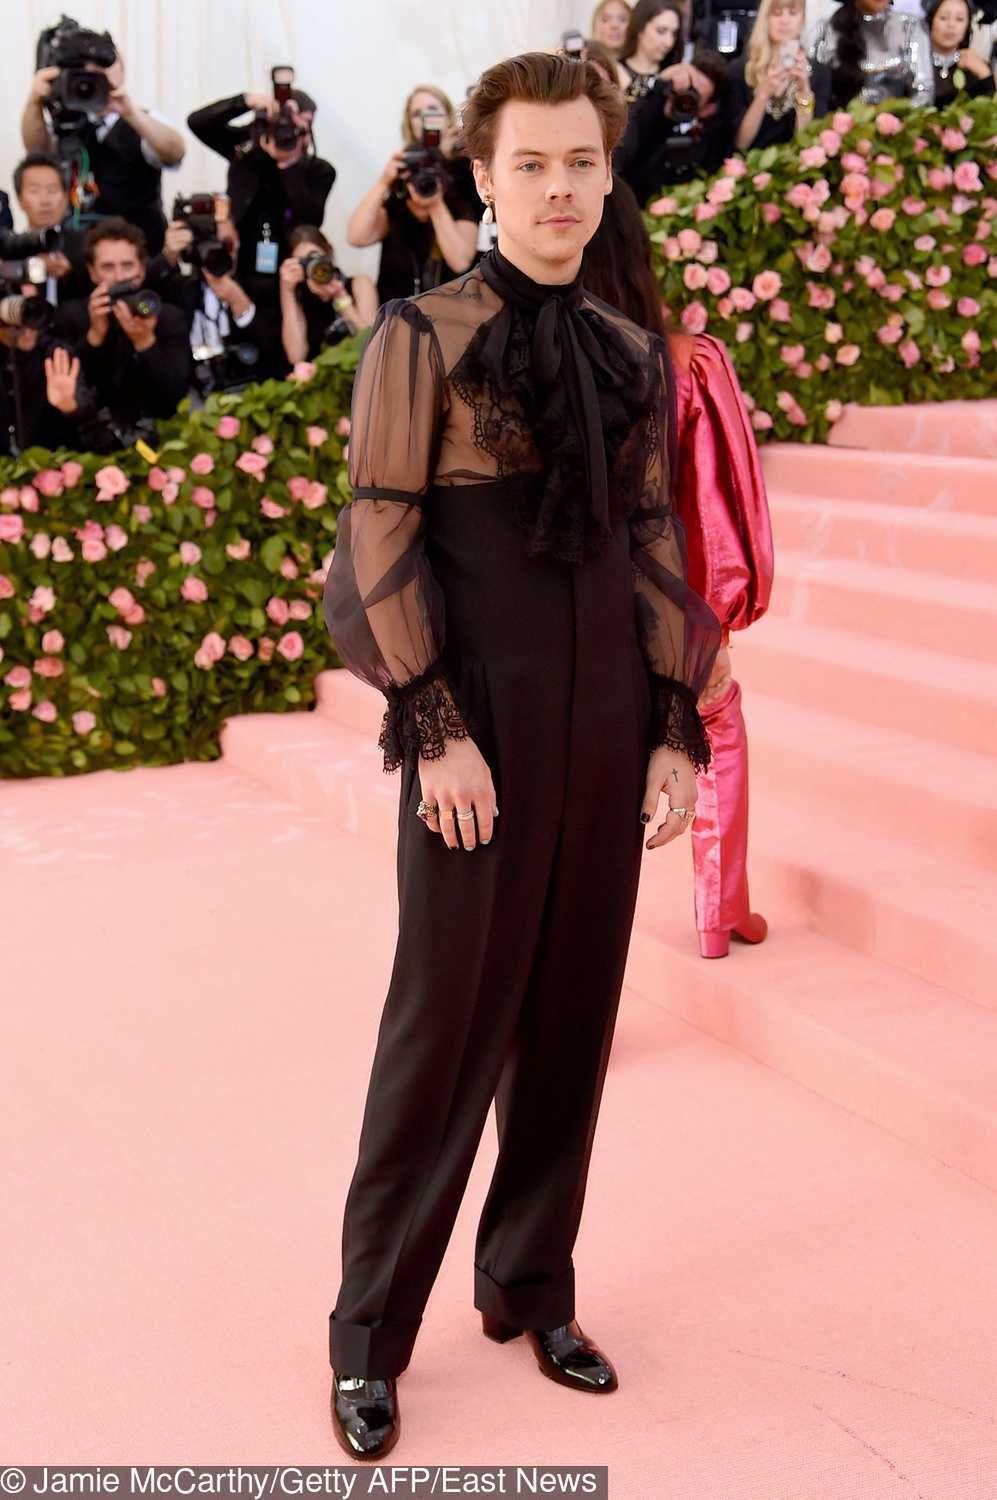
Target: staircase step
893 685
914 480
956 545
904 787
922 609
964 428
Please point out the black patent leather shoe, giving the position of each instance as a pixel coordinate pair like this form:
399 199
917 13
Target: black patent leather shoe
564 1354
365 1415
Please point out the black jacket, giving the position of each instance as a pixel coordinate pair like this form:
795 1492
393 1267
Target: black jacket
42 426
263 330
131 384
653 154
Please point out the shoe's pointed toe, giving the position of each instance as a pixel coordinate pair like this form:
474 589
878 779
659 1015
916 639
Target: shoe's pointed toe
365 1415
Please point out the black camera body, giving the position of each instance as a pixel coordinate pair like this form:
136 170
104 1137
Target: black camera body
320 268
682 104
283 130
143 303
207 252
77 92
229 371
20 261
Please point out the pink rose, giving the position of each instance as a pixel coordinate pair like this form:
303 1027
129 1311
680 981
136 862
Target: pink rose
689 241
961 204
855 187
93 551
952 139
803 370
240 647
938 300
20 701
821 297
194 589
118 636
847 354
135 615
50 666
252 463
970 341
264 649
61 550
116 537
271 509
841 121
909 353
288 568
170 492
717 281
725 307
202 497
300 609
190 553
734 167
52 640
316 436
742 299
967 177
110 482
799 195
50 482
939 178
967 307
721 191
743 332
157 479
766 285
813 156
84 721
831 141
175 474
694 276
761 180
925 243
662 206
779 310
40 545
304 370
672 248
892 291
822 363
28 497
973 255
238 550
142 513
43 598
888 124
291 646
121 599
158 688
262 444
202 463
694 317
72 473
876 279
819 259
761 421
45 711
938 275
913 206
228 427
18 677
771 213
833 410
144 570
708 252
792 354
297 486
883 219
6 587
788 404
833 333
343 427
213 645
278 610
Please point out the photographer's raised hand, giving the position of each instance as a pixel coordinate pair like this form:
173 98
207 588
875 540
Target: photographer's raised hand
61 376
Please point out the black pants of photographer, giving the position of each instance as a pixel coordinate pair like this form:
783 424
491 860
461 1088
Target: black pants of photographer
510 958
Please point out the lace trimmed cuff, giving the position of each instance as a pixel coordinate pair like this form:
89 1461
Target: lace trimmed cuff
676 720
419 719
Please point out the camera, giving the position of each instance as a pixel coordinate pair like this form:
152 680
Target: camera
682 104
143 303
284 131
35 242
23 312
69 47
208 252
319 268
424 165
232 370
573 44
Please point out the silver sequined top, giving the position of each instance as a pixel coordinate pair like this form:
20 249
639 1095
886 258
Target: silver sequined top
897 64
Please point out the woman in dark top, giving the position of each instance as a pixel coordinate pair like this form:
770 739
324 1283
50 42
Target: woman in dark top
511 576
774 91
653 42
317 311
958 69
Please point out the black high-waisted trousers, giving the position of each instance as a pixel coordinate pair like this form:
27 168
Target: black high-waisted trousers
510 958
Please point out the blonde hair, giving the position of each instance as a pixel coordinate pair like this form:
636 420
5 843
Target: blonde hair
758 53
408 134
597 13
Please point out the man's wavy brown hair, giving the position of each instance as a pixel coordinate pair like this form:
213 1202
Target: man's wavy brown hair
538 78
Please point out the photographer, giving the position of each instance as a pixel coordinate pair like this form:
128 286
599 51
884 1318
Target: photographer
774 90
41 192
44 400
319 304
679 129
233 341
78 111
275 179
133 349
420 210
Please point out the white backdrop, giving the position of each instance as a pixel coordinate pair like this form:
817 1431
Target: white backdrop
357 58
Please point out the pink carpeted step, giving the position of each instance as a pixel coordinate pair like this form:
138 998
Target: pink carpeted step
921 609
949 543
964 428
882 781
959 484
896 686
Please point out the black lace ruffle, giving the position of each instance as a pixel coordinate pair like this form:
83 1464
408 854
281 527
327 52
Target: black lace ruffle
563 379
676 721
419 719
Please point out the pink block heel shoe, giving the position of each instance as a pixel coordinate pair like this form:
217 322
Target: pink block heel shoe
716 943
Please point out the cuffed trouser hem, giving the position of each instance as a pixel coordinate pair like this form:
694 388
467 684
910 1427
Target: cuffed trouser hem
537 1304
374 1351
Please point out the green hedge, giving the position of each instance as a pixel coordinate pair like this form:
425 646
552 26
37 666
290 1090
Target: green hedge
117 591
856 263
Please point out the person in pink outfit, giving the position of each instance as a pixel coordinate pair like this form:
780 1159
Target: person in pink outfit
719 495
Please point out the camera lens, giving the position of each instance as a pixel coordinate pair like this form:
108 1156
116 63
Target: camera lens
318 268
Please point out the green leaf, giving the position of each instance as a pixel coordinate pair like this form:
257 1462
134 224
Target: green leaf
272 553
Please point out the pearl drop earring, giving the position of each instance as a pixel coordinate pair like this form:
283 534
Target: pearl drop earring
488 217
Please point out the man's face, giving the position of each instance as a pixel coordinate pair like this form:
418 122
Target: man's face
43 197
116 260
548 178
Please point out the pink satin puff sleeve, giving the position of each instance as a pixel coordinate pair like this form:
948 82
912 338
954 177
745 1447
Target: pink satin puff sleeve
719 491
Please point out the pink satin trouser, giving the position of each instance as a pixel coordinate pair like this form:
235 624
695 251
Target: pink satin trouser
720 829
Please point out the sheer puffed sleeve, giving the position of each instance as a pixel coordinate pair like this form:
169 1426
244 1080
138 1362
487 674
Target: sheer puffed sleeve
383 607
718 487
678 632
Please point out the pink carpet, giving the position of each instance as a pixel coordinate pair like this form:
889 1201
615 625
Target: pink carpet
790 1233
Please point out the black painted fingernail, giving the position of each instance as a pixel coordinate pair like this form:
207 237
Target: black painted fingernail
645 817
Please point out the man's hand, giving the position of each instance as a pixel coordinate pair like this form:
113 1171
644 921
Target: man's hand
57 264
61 375
140 331
418 201
671 772
41 84
99 308
178 238
291 274
121 101
459 780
